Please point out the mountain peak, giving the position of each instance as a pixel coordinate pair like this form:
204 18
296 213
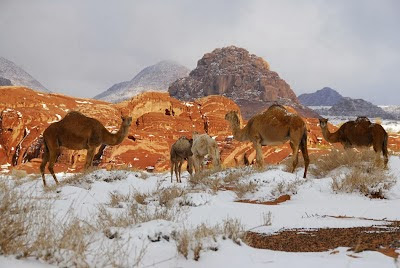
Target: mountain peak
18 77
155 77
322 97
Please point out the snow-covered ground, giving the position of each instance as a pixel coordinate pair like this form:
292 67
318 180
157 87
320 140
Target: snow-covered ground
312 200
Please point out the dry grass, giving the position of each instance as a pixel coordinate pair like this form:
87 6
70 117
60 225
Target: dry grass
324 164
289 188
204 237
241 189
367 181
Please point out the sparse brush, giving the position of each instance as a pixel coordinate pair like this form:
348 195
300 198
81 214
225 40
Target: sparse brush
241 189
182 243
323 164
267 218
289 188
368 181
167 196
233 229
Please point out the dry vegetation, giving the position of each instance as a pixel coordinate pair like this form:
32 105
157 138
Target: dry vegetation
229 179
370 182
204 237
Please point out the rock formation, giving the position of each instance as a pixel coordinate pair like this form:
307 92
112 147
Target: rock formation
156 77
243 77
158 121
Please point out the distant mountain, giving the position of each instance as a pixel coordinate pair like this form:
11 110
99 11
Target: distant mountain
323 97
355 107
156 77
18 77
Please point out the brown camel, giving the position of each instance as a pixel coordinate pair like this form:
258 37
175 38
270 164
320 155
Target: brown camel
77 131
181 150
359 133
272 127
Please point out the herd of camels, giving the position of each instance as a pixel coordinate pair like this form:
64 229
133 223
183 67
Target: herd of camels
274 126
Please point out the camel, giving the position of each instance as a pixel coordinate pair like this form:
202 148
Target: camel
272 127
204 145
359 133
77 131
181 150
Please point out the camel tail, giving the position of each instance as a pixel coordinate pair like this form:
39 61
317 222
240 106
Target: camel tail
304 151
385 144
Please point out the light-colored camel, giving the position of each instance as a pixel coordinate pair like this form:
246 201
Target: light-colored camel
204 145
359 133
272 127
181 150
77 131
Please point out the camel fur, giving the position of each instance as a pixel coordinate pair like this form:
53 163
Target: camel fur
181 150
359 133
204 145
272 127
77 131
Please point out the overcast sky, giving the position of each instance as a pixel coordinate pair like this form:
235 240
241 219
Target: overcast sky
81 48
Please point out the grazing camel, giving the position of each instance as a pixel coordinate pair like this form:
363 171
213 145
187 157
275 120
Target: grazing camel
358 133
272 127
77 131
181 150
204 145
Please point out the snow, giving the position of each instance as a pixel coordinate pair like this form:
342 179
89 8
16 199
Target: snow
45 106
83 102
312 205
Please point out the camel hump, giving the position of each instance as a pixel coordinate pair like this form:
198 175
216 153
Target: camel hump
276 106
362 119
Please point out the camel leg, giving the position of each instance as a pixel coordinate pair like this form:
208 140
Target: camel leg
53 158
259 154
180 169
172 170
196 163
176 171
304 151
44 163
295 156
190 166
89 157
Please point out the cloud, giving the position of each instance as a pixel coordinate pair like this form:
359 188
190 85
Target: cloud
83 47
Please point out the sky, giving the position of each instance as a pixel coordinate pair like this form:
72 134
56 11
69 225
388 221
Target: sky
81 48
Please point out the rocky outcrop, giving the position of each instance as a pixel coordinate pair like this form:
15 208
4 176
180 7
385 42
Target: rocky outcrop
156 77
243 77
158 121
323 97
5 82
18 76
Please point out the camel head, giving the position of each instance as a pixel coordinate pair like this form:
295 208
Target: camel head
323 122
233 117
126 121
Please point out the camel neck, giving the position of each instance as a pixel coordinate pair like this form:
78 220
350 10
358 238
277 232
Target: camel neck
238 134
327 135
117 138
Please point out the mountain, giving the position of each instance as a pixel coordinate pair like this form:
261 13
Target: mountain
357 107
18 76
153 78
243 77
5 82
323 97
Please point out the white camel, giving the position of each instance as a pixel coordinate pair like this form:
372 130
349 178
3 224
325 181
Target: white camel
204 145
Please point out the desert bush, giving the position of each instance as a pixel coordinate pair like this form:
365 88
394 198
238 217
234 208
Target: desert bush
367 181
323 164
241 189
290 188
204 237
